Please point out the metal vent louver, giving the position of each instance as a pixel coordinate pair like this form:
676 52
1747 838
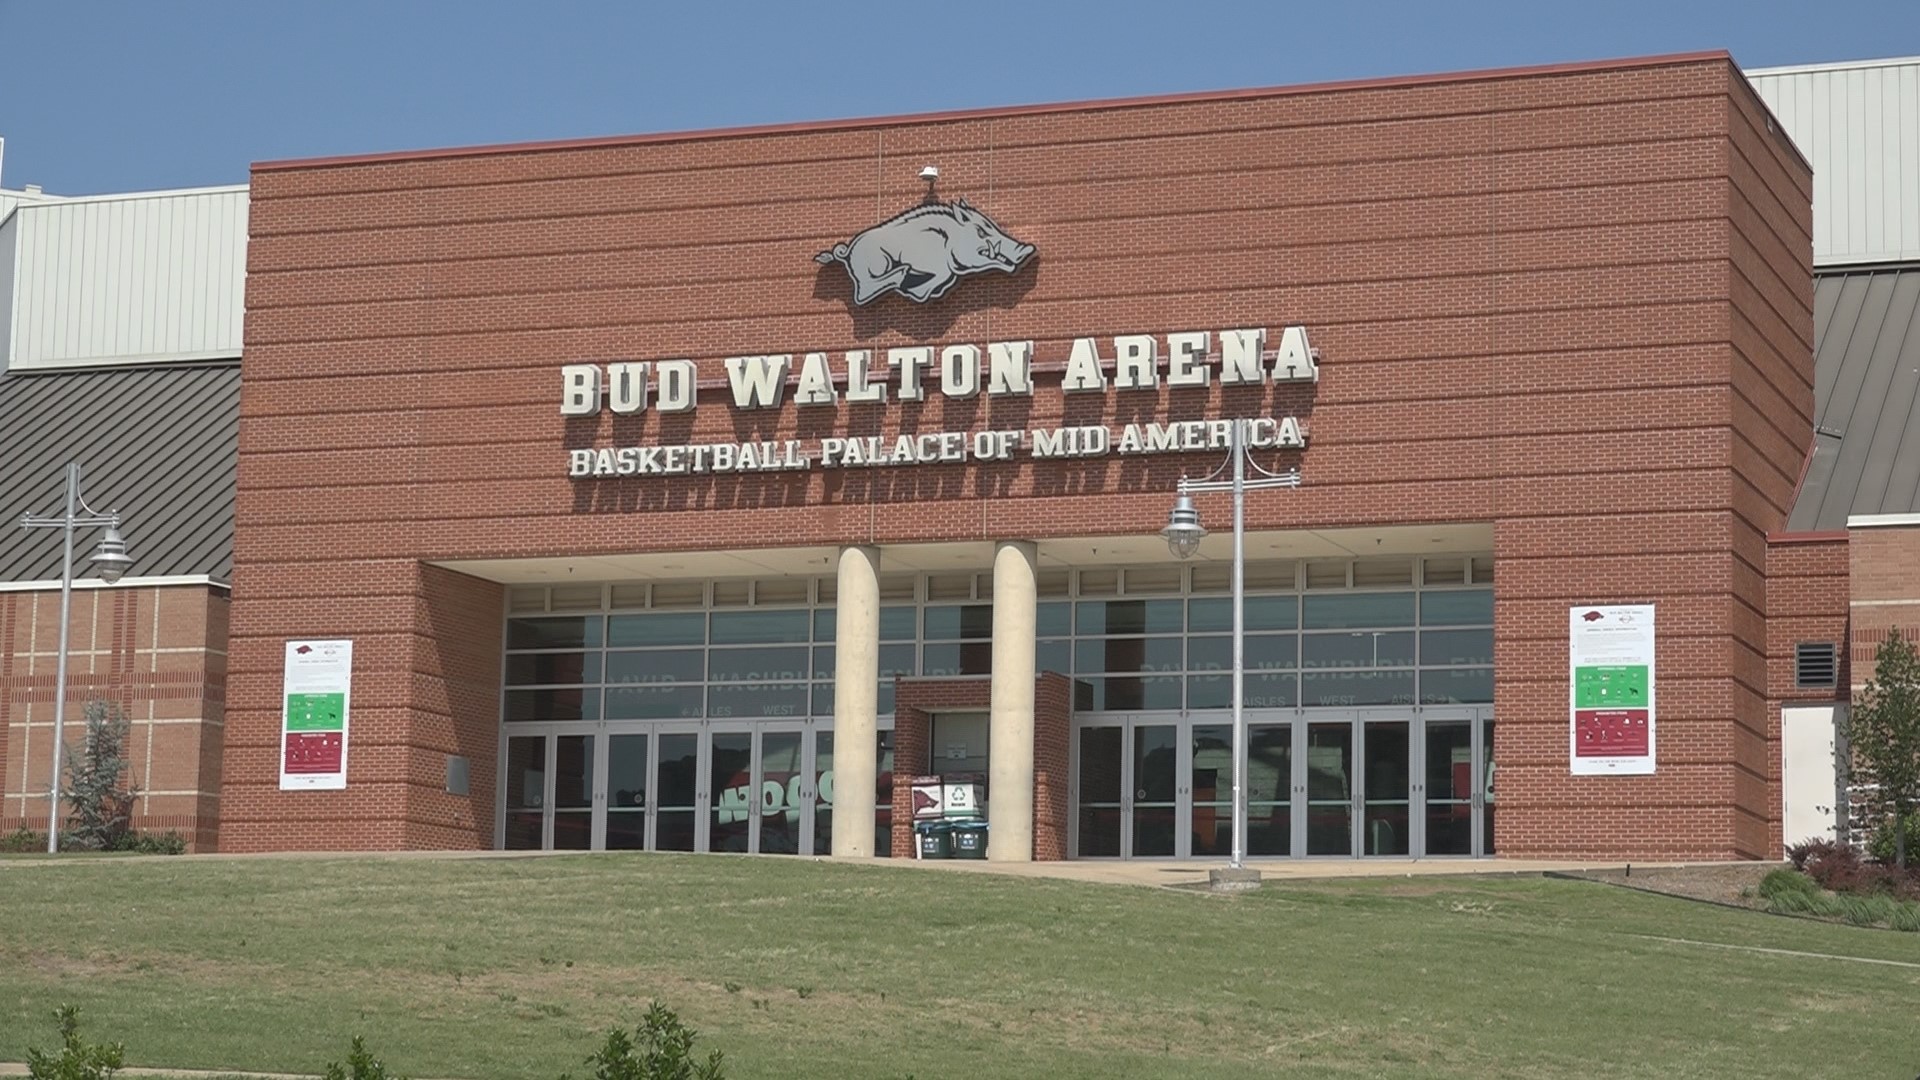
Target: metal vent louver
1816 664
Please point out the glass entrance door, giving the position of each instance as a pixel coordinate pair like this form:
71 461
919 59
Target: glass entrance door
552 790
1326 783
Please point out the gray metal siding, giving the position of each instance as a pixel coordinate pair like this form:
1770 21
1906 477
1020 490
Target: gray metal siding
1859 126
157 444
1866 454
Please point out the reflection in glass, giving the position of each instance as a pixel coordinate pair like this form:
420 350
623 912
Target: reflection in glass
1095 655
677 787
656 666
1211 784
662 628
1100 780
1356 611
823 793
1449 780
1457 686
1455 647
526 792
1456 607
1387 826
1269 789
1155 776
757 665
569 632
548 669
1357 649
730 779
1329 789
573 793
626 792
760 627
757 699
564 703
1129 617
1261 651
664 702
1356 688
1214 614
781 782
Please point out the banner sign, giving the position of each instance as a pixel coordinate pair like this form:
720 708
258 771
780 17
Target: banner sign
316 689
1610 691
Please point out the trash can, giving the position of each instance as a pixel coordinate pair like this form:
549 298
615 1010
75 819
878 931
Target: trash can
934 840
968 839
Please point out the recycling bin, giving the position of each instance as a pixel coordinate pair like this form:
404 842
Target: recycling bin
967 839
933 840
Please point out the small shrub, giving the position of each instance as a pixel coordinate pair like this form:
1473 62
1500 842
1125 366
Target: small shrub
361 1065
1783 881
661 1048
166 843
23 839
99 806
77 1060
1882 845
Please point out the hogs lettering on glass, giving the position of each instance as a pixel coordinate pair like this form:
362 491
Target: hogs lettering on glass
922 252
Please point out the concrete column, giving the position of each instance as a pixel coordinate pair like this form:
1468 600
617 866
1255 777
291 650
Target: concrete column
1010 753
856 683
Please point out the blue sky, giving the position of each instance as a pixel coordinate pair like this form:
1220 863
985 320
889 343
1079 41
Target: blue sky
98 97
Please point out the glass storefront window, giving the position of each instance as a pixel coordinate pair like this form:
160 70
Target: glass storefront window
1356 611
1344 688
759 627
949 622
1357 649
661 702
1457 686
570 703
572 632
757 699
757 665
1209 614
1456 607
676 628
1454 647
656 666
553 669
1129 617
1259 652
1053 620
1096 655
1262 690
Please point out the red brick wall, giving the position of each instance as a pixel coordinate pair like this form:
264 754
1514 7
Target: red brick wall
1884 568
915 702
1807 578
159 653
1562 302
426 683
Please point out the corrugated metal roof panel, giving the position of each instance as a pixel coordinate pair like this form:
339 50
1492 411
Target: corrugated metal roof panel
158 444
132 279
1866 454
1859 126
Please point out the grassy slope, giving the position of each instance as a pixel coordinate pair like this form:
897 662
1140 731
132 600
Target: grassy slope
509 968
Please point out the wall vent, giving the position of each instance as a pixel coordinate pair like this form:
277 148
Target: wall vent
1816 665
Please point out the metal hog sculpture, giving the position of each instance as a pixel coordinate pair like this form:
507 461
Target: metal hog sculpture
923 251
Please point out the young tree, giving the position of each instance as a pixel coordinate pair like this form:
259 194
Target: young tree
100 807
1883 731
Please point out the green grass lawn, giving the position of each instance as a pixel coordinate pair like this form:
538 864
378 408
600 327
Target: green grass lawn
513 967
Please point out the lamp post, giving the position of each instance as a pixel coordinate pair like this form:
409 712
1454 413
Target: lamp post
110 562
1183 535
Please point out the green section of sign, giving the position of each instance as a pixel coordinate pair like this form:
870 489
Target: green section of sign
1610 687
316 712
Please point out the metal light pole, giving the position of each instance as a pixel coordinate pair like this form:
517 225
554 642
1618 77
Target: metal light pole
110 561
1183 535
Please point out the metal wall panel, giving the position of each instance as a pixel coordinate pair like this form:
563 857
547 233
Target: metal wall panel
8 252
1859 126
129 279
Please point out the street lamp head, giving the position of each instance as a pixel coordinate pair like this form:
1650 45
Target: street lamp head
110 562
1184 531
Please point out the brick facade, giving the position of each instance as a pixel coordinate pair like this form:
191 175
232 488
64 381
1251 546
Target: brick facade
914 703
1884 569
1573 303
159 653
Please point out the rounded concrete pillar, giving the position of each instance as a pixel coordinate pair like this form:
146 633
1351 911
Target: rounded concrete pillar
1010 746
856 684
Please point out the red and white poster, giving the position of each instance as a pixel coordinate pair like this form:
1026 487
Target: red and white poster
316 692
1610 690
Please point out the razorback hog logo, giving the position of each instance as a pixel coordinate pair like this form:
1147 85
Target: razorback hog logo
923 251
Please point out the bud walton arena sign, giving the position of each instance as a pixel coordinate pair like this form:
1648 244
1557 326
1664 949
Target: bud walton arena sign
1133 362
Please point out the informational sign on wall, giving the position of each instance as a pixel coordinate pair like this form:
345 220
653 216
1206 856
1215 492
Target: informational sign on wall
316 692
1610 691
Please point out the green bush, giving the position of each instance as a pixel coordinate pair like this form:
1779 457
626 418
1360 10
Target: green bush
361 1065
77 1060
167 843
99 805
1881 847
661 1048
1783 881
23 839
